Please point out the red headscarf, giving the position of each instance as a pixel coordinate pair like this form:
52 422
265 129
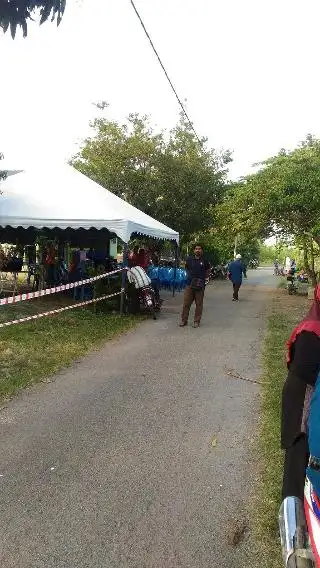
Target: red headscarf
310 323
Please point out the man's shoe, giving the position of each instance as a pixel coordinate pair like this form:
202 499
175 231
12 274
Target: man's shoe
183 324
196 324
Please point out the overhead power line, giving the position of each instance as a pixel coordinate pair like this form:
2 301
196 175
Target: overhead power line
165 71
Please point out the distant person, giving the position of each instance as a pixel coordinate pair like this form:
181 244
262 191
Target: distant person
198 270
143 259
133 257
235 272
293 265
51 264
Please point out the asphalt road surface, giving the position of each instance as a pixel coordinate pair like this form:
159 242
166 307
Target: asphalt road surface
138 455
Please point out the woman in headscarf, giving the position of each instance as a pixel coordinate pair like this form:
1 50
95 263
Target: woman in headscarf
303 371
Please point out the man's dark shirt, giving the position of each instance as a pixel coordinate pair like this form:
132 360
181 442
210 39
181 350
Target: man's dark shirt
197 267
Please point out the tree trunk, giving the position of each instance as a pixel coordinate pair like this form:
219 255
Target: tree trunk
312 260
317 240
309 263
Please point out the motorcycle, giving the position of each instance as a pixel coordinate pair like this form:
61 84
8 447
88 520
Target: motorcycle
291 285
149 301
299 525
218 273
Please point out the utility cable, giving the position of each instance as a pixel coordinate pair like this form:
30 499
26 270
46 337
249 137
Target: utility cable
165 71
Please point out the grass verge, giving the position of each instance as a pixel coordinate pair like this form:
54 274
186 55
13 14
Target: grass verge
31 351
285 312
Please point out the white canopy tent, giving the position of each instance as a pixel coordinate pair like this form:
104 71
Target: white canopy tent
63 198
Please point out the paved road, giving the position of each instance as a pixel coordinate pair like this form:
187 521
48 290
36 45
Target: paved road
137 457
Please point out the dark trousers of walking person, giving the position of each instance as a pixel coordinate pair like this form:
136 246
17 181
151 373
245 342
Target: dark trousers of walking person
236 288
191 296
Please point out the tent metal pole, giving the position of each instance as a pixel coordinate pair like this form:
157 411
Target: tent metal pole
123 277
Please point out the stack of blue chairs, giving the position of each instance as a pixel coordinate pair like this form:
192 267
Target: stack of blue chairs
165 277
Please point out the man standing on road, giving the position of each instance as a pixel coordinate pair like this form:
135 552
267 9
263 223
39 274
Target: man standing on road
235 272
198 270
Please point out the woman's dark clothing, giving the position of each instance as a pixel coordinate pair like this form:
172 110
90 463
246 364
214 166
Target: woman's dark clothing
295 465
297 391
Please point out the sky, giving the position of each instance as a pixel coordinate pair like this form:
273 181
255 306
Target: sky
249 70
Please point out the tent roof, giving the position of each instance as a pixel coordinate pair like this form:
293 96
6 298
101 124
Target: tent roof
63 198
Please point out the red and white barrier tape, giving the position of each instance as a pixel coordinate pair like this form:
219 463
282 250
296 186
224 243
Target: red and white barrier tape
58 310
55 289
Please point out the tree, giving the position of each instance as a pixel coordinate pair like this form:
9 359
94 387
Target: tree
283 198
219 248
14 13
171 178
192 182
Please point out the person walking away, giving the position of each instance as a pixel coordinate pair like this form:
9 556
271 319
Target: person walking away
198 270
51 263
235 272
299 400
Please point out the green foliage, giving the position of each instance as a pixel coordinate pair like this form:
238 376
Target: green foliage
14 13
170 177
287 189
219 249
268 254
282 198
281 250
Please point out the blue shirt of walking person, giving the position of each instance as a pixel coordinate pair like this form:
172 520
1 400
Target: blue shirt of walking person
236 271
